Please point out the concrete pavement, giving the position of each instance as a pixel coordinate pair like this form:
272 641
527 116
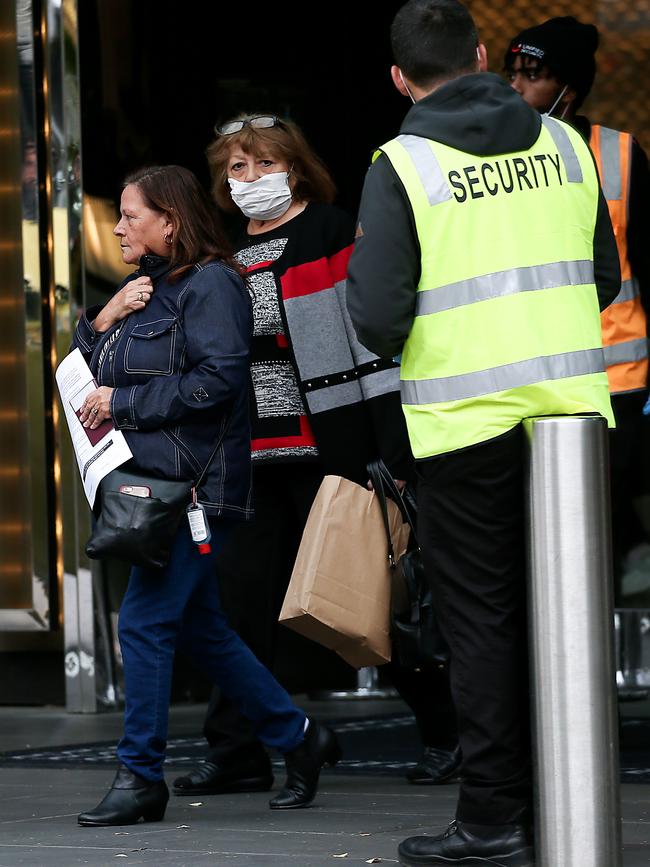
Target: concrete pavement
354 820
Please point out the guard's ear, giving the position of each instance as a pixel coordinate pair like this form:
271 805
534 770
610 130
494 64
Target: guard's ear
481 53
396 75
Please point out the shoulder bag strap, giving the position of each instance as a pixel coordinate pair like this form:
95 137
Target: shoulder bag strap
383 481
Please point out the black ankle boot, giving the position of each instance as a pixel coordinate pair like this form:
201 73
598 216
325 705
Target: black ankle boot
129 799
248 774
320 747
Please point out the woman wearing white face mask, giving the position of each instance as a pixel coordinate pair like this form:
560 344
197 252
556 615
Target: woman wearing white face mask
317 393
295 246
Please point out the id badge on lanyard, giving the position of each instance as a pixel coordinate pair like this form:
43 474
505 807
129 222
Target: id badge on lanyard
199 526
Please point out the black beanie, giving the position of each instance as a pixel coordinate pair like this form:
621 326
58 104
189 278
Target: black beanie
565 46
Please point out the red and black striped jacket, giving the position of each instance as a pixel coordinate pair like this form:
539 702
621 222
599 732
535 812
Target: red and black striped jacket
319 394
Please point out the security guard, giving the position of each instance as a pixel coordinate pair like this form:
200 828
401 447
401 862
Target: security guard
484 253
552 66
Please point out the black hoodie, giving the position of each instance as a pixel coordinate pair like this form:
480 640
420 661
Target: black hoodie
479 114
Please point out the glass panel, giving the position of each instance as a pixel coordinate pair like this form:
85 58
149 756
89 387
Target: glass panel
23 511
15 589
68 276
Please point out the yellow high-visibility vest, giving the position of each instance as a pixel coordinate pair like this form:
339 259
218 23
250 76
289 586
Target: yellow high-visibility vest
624 321
507 324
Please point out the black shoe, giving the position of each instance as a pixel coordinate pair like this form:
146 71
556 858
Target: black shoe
435 767
320 747
253 775
129 799
472 846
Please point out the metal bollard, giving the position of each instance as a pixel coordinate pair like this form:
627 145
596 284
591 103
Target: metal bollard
572 644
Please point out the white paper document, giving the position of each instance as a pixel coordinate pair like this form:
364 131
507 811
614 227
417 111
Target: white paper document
97 451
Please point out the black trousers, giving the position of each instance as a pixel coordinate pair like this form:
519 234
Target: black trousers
626 446
254 571
471 530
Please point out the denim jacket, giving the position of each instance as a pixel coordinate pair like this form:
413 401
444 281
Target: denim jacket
180 370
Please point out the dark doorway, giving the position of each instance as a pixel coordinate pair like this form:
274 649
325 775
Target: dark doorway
157 75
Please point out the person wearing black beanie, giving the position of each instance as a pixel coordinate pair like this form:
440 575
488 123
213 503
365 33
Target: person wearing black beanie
552 66
554 61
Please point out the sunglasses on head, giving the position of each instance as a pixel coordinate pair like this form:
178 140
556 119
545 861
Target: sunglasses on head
260 121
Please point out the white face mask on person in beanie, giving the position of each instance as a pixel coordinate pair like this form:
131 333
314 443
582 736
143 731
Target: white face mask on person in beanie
266 198
549 113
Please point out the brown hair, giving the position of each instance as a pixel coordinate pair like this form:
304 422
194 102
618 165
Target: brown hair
197 233
309 178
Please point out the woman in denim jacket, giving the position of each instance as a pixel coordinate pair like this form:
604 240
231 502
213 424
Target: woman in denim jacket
170 354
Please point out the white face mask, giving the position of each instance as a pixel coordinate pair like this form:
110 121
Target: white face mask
549 113
267 198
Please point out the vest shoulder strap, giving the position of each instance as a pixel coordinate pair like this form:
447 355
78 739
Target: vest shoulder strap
612 150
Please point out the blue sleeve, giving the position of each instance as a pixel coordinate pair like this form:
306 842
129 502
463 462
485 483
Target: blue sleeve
216 318
85 337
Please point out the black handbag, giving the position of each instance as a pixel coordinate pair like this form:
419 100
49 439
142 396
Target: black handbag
139 516
138 528
416 636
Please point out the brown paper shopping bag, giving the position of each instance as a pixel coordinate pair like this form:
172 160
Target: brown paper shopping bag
339 593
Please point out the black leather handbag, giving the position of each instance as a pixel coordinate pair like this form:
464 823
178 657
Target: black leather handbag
138 527
417 640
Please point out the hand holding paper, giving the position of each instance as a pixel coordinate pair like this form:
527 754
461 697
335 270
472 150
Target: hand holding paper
96 408
98 448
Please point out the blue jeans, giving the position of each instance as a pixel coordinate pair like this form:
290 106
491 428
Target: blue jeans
179 607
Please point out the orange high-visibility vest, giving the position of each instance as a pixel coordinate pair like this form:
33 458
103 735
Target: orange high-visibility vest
624 321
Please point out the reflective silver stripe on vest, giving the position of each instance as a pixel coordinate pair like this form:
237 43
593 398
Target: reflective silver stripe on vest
629 291
629 351
567 152
495 379
427 167
511 282
610 156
